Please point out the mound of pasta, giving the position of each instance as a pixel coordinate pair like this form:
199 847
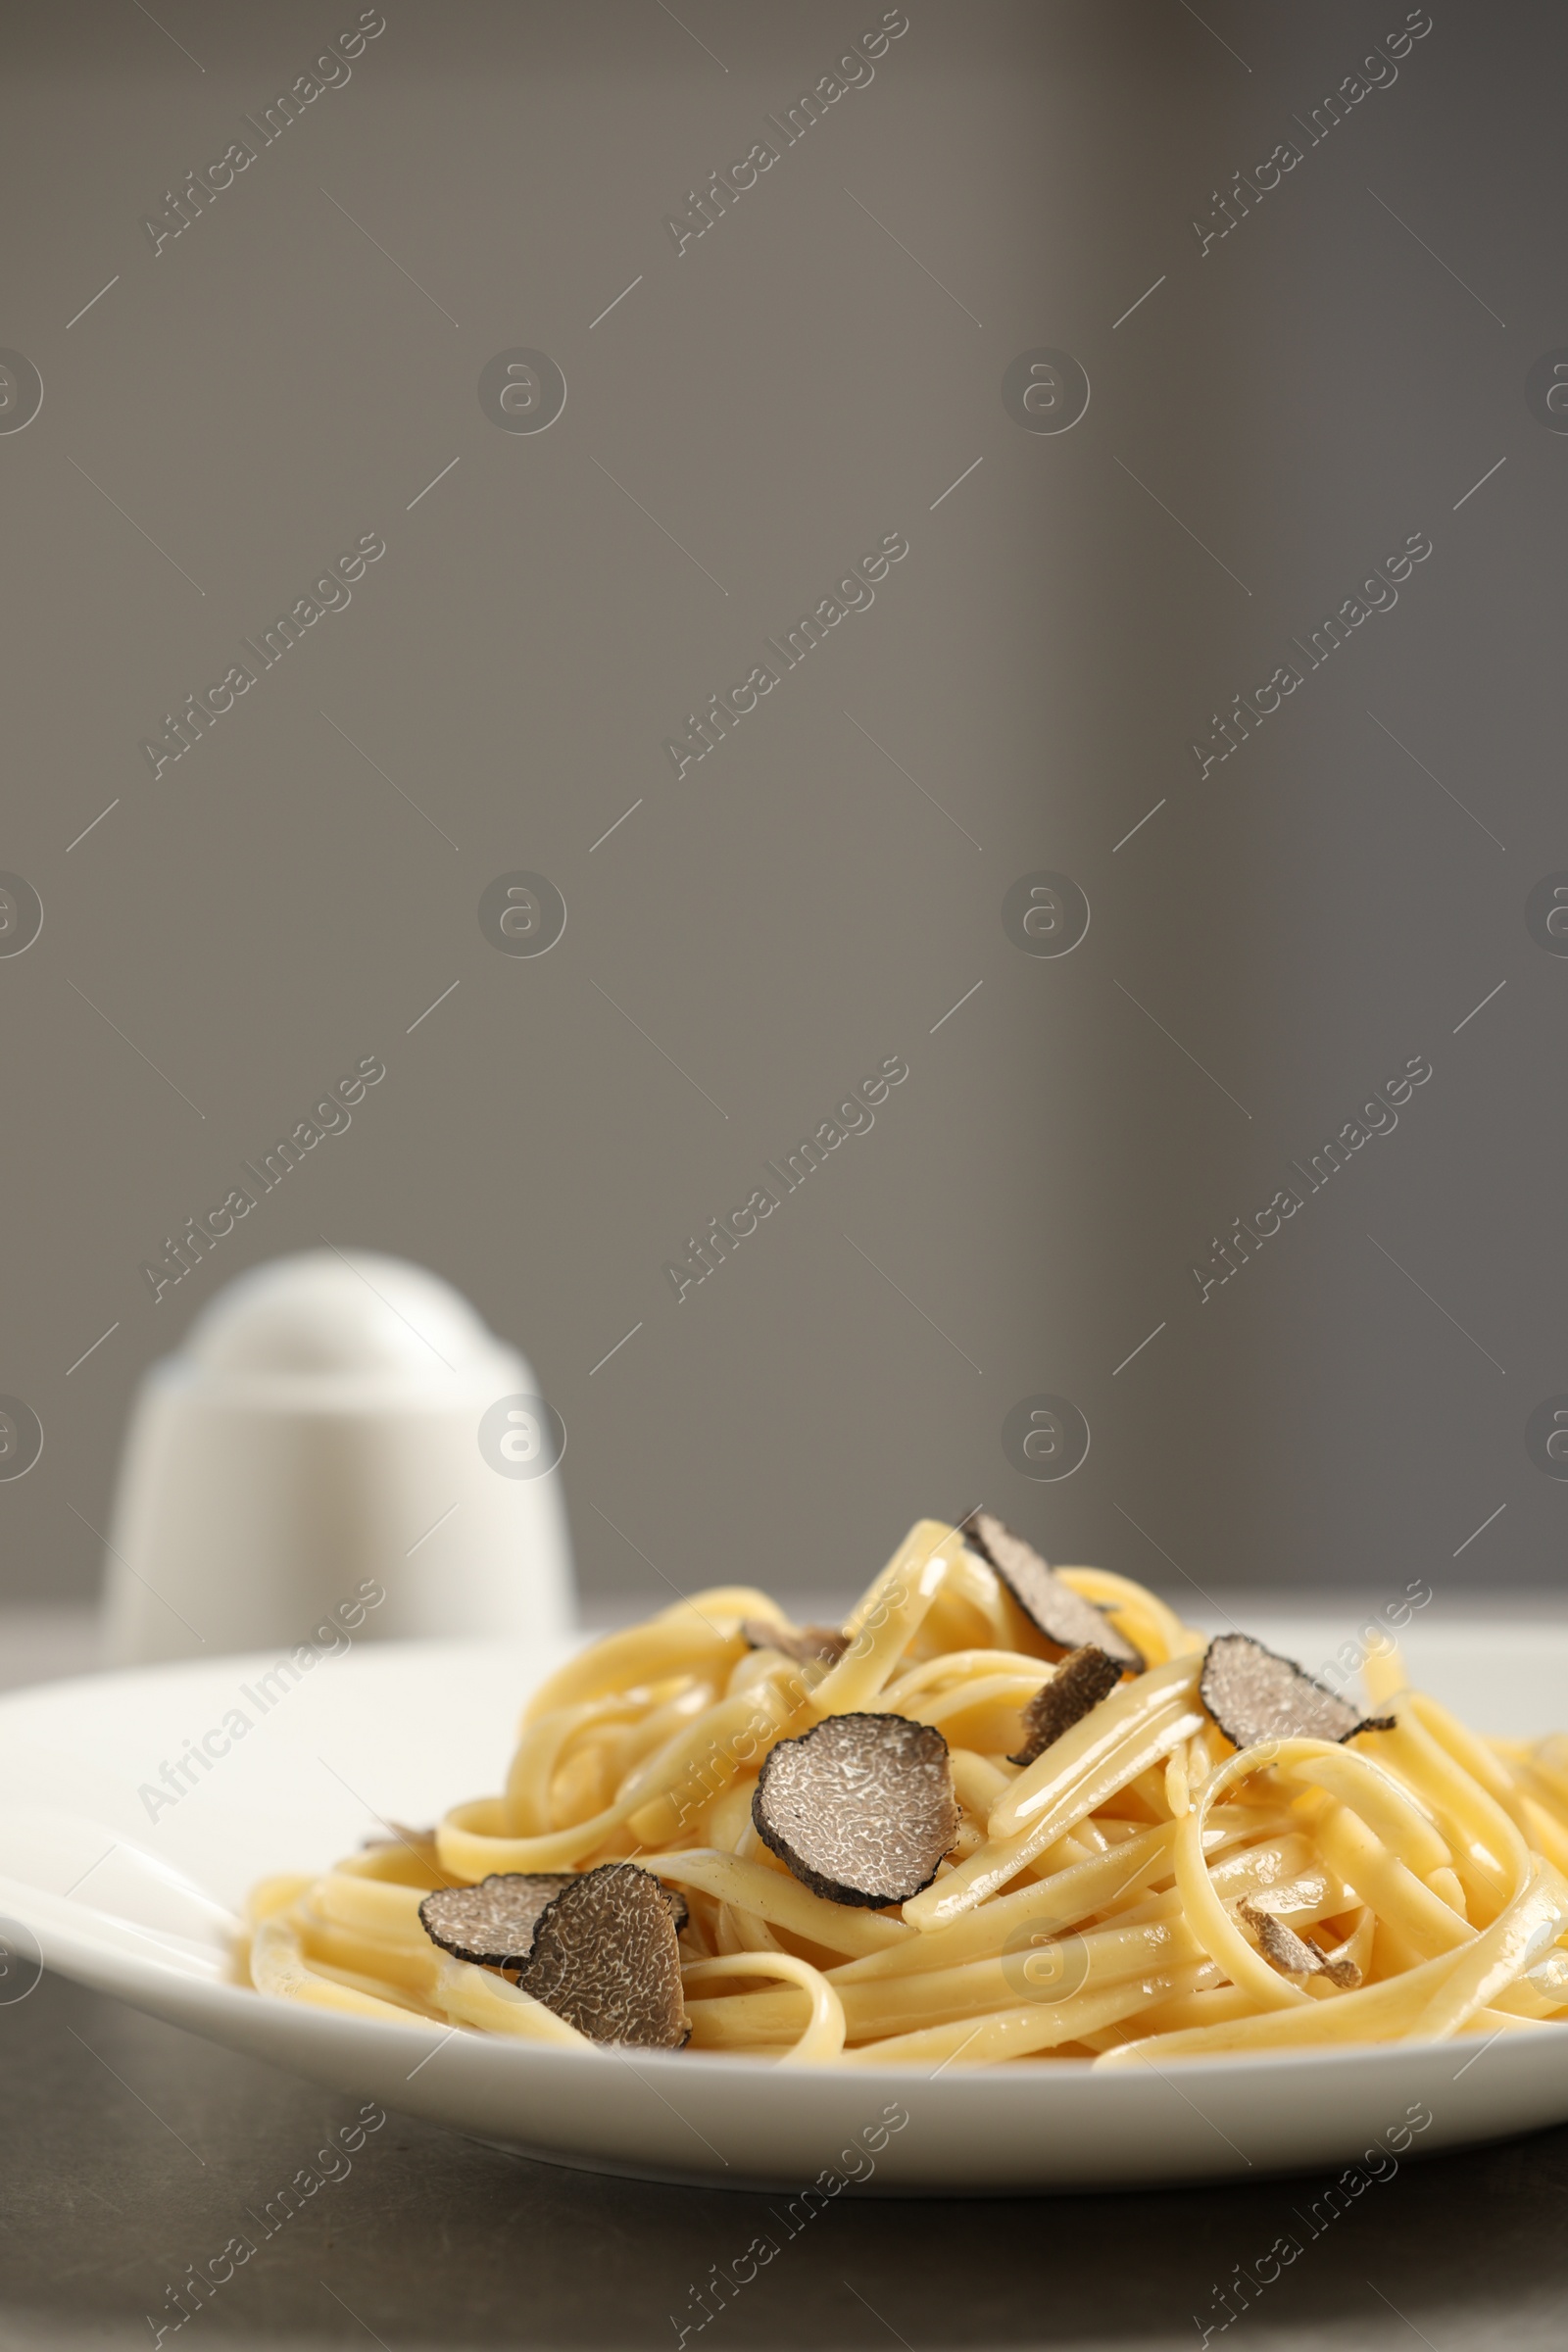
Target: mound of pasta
1003 1812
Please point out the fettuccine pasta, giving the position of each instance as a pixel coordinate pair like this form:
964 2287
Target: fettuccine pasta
1144 1887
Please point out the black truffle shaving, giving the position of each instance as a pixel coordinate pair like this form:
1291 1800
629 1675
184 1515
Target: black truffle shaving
606 1959
1061 1617
806 1645
1084 1678
1292 1954
599 1949
1253 1694
492 1924
860 1808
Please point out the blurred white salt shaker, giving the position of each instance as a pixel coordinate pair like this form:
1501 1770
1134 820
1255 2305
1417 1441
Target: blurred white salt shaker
336 1425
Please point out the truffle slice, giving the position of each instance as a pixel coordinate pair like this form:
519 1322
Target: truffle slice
1084 1678
1291 1954
492 1924
606 1959
1253 1694
860 1808
495 1924
806 1644
1061 1616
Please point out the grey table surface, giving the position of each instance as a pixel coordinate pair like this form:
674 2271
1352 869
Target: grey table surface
131 2151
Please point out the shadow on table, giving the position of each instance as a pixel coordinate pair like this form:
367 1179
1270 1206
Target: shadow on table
134 2155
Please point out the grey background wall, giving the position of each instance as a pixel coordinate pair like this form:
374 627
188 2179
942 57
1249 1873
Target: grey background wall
1271 414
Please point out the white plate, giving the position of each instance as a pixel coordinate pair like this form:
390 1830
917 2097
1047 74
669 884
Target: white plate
142 1908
